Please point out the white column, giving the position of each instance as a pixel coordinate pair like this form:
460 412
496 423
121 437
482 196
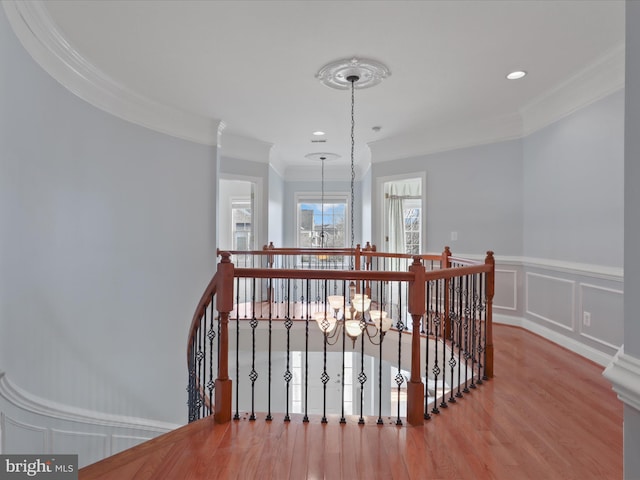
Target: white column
624 371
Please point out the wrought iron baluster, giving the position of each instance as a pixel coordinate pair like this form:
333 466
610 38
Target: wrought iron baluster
399 377
288 323
236 416
343 420
325 376
459 319
269 417
382 334
481 330
465 327
436 327
443 334
473 332
191 387
362 377
253 375
306 356
452 321
426 325
212 335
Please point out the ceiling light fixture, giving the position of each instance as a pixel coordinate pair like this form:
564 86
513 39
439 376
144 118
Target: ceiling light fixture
516 75
318 133
356 316
352 73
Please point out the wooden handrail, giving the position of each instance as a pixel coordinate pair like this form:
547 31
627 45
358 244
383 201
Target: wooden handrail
221 288
203 304
357 274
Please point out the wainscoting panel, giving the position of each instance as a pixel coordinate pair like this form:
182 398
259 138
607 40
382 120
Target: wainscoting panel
551 299
603 308
506 290
91 447
33 425
20 437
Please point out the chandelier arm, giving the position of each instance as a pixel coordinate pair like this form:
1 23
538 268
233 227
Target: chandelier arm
371 337
333 335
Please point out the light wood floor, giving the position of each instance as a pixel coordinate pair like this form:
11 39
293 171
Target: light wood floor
547 414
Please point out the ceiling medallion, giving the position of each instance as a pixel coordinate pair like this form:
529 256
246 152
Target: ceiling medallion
336 74
321 156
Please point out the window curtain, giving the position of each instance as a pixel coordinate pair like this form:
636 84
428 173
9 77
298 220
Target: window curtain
395 214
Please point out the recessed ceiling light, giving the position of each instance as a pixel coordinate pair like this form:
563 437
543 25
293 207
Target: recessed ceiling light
516 75
318 133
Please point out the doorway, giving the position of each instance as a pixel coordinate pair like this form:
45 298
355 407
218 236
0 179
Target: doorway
237 215
403 215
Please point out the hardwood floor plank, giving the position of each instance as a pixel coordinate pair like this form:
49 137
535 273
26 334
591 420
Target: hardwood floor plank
547 414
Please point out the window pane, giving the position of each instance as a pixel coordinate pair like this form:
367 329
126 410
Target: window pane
322 227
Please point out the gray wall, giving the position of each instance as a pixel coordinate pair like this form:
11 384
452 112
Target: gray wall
276 208
107 243
573 179
475 192
573 226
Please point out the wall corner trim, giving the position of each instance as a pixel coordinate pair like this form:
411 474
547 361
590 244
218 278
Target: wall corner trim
624 374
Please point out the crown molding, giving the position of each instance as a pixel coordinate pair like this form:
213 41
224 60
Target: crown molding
624 373
45 43
40 406
447 137
245 148
601 78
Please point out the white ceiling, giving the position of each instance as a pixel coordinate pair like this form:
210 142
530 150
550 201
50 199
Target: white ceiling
252 64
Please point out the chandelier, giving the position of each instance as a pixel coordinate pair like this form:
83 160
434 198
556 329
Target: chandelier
354 316
353 313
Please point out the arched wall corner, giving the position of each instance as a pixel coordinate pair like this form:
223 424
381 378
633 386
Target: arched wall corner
42 39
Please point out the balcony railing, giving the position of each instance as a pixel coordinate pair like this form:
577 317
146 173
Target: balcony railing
350 332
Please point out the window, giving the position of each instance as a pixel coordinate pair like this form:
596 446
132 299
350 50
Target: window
241 228
318 228
412 226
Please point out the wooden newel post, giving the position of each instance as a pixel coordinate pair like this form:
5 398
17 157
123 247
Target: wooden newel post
224 305
447 293
490 289
415 387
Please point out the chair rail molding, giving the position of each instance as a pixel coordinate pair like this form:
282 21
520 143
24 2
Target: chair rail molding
624 374
47 408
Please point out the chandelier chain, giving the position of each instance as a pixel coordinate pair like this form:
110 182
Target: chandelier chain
353 171
322 207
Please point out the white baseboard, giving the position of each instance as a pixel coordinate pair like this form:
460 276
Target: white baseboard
586 351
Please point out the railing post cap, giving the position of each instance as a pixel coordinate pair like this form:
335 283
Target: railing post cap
226 257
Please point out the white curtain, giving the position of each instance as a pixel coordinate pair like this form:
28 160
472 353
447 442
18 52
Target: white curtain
395 214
